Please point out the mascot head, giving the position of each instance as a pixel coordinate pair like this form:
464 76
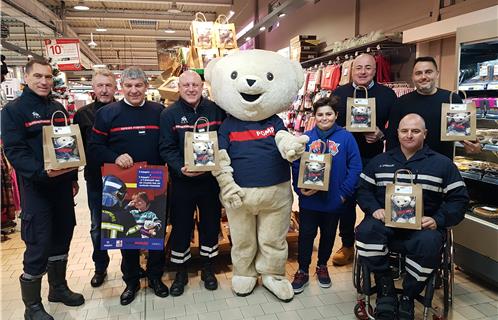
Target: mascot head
253 85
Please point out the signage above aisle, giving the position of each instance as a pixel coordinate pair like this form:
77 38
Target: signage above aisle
64 52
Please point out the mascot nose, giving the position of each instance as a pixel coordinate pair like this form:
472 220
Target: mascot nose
250 82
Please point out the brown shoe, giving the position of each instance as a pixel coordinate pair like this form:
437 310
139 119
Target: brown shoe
343 256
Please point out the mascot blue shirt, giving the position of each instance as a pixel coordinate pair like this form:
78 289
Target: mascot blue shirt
255 158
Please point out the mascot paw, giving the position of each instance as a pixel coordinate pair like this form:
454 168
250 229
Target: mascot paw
279 286
296 148
243 286
232 196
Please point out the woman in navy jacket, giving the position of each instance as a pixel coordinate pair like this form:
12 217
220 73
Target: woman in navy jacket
323 208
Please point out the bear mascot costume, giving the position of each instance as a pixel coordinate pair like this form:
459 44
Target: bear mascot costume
255 151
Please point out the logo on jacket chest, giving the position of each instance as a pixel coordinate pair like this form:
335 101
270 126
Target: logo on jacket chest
183 120
35 115
317 146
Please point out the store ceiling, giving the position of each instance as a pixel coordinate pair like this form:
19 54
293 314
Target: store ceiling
133 26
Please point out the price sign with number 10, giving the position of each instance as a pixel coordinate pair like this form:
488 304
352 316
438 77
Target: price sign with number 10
64 52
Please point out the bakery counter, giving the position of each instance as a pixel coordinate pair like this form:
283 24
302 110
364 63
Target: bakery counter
476 244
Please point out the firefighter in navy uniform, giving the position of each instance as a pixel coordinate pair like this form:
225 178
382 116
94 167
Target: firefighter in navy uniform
191 189
125 132
47 219
445 200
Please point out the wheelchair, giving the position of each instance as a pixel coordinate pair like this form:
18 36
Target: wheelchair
441 277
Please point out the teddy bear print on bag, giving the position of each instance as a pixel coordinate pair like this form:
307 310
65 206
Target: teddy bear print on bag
361 117
458 123
313 173
203 153
403 209
66 149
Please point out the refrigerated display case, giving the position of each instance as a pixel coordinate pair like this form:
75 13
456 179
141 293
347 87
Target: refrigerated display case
476 237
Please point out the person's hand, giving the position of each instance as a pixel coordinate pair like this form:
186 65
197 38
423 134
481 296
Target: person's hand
471 147
185 171
308 192
429 223
54 173
372 137
379 214
124 161
76 188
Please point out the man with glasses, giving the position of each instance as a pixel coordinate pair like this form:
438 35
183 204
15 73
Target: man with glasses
369 143
191 190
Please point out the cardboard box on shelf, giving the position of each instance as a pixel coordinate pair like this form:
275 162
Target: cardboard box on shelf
302 37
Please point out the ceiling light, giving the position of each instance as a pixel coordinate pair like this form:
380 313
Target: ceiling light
263 28
81 6
101 29
92 44
248 38
99 66
169 30
174 8
30 56
281 15
83 79
230 14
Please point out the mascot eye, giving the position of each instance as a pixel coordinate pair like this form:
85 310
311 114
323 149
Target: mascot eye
269 76
234 75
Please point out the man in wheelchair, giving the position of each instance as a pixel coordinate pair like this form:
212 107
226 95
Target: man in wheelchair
445 200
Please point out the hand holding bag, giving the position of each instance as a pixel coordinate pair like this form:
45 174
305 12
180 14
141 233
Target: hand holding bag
62 145
201 148
404 202
314 168
360 113
458 120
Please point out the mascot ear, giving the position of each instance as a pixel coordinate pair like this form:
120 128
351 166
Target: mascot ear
208 73
299 73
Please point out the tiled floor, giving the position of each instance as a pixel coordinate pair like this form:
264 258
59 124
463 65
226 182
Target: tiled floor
472 300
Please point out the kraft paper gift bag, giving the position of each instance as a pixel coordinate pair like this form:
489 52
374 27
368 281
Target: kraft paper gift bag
202 32
201 147
360 113
458 121
62 145
224 33
404 202
314 168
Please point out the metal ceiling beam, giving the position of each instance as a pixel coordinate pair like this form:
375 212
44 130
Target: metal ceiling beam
13 47
120 15
133 32
42 14
209 3
9 10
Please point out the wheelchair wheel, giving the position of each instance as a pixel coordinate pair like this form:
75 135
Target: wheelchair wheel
360 310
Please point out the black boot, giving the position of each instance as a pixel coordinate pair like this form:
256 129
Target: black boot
207 275
387 301
30 290
181 280
58 289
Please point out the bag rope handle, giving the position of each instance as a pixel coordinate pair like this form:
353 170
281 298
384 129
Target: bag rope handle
53 114
202 119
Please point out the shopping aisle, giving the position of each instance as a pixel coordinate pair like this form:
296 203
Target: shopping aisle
472 300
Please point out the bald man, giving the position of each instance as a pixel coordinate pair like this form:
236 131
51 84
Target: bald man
370 144
445 200
190 190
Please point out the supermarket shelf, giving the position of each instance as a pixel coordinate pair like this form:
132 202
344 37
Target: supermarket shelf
479 177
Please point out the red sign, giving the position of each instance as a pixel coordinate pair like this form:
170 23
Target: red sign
64 52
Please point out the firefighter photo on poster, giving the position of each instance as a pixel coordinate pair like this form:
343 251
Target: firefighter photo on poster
133 207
